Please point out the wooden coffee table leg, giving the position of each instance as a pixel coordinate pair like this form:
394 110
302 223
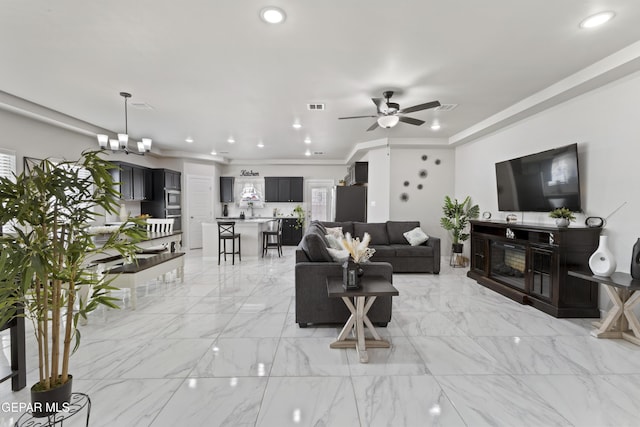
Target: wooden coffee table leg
362 349
610 326
634 324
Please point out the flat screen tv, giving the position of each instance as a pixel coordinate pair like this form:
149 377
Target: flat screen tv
540 182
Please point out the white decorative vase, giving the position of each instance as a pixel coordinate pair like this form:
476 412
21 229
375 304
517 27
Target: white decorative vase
123 215
601 262
562 222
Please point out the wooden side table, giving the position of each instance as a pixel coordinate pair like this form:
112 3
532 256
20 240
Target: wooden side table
371 287
620 321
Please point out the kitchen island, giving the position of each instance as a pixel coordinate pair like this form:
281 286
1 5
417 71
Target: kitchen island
250 230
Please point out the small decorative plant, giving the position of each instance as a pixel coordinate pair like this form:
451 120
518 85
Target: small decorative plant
299 212
562 213
359 251
563 216
456 217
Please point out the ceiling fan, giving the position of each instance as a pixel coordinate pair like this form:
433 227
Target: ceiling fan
390 113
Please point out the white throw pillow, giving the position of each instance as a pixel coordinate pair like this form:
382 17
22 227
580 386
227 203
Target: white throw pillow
334 242
416 236
338 255
335 232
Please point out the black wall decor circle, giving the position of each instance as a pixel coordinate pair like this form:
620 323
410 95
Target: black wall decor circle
404 197
423 173
419 186
424 157
406 183
438 161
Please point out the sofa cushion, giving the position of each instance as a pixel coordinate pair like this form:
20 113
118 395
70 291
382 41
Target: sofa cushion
315 247
383 251
377 231
396 230
339 255
412 251
416 236
318 229
334 242
347 226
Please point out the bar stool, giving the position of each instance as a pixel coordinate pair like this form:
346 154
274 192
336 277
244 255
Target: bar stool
226 231
277 233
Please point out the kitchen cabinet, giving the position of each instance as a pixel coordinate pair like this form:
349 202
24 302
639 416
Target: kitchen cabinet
134 181
284 189
171 180
290 235
226 189
358 173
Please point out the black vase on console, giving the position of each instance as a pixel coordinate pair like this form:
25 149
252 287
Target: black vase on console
635 260
225 210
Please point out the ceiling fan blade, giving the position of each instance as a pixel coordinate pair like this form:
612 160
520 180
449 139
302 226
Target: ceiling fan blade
420 107
354 117
381 104
373 126
411 120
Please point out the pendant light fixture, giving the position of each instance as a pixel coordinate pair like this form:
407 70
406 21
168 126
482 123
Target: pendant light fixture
122 143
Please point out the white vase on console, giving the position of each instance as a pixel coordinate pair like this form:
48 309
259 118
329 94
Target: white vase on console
601 262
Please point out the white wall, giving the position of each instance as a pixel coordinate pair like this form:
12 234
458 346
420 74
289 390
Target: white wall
606 126
378 186
424 205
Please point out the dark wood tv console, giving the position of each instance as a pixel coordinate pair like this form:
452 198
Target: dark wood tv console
529 263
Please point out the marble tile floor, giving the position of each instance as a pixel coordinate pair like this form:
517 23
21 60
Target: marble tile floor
222 349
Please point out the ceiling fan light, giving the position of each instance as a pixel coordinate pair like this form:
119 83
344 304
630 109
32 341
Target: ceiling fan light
388 121
103 140
146 142
113 144
141 147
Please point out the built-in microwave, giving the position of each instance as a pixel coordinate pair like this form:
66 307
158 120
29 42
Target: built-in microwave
172 199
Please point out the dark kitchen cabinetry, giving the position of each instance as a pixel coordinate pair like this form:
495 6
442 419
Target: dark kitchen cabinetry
283 189
529 263
166 201
290 235
226 189
134 181
358 173
351 203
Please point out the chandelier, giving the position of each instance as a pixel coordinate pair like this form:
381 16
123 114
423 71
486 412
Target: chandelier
122 143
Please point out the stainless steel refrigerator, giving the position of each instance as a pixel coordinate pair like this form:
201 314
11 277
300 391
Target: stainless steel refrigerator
351 203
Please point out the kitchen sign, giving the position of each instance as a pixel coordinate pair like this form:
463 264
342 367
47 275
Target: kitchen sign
245 172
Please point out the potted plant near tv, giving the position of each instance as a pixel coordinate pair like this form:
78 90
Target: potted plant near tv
455 220
44 263
563 216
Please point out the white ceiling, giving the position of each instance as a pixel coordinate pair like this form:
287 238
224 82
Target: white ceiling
213 69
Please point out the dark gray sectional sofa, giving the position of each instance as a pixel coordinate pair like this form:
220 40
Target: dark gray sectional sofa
314 265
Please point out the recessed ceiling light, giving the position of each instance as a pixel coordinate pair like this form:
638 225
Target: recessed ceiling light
213 153
296 125
435 126
189 140
231 140
307 153
307 140
597 19
273 15
260 144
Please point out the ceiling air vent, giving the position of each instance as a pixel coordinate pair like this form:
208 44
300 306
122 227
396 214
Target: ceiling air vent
318 152
315 107
223 152
446 107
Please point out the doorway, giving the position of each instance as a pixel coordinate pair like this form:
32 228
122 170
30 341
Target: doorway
200 207
320 194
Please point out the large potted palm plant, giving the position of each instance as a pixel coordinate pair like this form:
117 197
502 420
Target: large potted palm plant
45 263
456 219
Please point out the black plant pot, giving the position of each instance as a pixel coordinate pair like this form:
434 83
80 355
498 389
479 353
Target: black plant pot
456 248
48 402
